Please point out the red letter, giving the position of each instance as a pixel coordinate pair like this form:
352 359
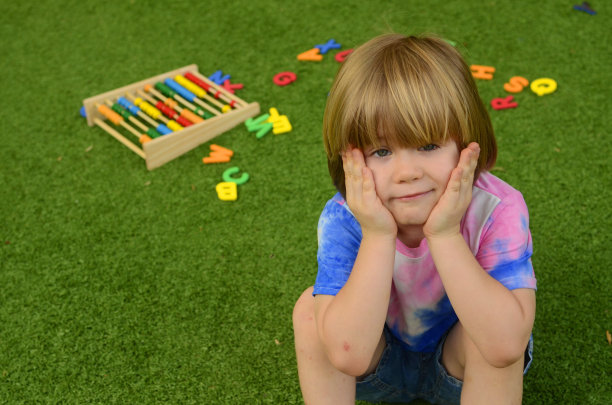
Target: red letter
284 78
341 56
503 103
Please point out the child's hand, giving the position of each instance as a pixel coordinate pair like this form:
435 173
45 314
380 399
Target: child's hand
445 217
361 196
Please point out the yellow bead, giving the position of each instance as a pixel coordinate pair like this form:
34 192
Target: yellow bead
175 126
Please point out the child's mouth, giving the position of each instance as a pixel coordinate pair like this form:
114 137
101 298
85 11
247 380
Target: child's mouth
410 197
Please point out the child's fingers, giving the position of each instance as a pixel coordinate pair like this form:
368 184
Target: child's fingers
368 186
468 161
474 149
352 170
452 205
352 175
451 196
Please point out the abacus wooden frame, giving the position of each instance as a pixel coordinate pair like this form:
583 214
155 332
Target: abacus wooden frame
161 150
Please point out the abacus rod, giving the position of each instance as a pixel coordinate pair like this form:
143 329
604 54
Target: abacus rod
208 107
206 87
176 114
197 110
159 117
163 98
131 129
119 120
131 118
198 91
139 112
173 85
186 103
150 120
213 101
150 99
221 89
119 137
169 111
186 112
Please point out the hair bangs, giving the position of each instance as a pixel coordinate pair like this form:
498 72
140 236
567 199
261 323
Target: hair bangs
413 110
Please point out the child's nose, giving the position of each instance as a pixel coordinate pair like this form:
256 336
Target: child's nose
407 170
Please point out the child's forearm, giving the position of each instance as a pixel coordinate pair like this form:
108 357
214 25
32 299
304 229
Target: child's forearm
352 324
491 314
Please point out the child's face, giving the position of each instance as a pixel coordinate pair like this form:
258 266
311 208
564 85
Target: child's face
410 181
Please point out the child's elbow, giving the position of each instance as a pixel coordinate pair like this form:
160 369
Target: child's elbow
504 356
348 362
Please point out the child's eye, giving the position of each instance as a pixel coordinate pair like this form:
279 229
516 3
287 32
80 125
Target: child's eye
429 148
381 152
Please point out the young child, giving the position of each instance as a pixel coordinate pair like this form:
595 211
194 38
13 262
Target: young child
425 287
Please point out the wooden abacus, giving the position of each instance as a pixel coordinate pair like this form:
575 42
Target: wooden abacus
217 110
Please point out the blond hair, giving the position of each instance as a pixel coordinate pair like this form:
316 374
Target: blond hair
413 91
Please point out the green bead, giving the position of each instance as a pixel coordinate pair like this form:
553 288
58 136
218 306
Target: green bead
152 133
121 111
203 113
165 90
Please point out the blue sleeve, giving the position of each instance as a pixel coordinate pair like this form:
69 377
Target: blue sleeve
339 236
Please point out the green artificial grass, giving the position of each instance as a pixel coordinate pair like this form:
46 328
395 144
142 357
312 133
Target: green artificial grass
122 285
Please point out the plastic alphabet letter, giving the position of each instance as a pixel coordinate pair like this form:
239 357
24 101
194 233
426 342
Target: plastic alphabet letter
586 7
219 154
482 72
311 55
227 191
503 103
543 86
341 56
280 123
255 123
260 125
284 78
227 176
221 149
274 115
216 157
331 44
516 84
227 85
219 78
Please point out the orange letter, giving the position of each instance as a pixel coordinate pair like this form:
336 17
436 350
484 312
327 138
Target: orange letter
482 72
516 84
312 55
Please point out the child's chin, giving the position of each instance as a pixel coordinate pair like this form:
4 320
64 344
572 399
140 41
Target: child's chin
410 220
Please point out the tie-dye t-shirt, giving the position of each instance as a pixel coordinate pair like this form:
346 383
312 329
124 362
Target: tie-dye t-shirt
495 226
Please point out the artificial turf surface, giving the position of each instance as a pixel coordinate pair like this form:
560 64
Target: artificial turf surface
122 285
